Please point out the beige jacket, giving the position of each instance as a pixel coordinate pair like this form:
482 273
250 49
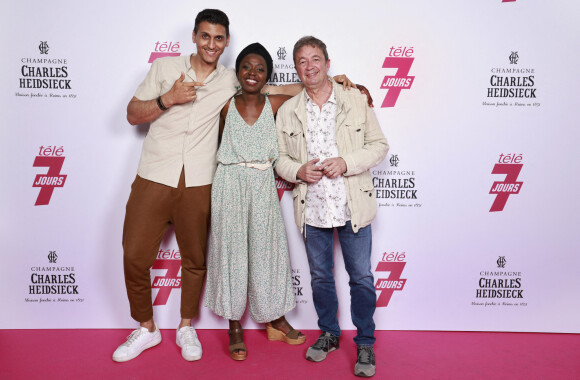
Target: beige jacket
361 144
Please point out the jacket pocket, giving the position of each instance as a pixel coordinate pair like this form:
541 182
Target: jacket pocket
366 198
355 135
293 139
366 185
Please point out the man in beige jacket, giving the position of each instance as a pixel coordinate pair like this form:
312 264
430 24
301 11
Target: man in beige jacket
328 140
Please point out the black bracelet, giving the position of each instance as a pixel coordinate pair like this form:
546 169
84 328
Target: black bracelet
160 104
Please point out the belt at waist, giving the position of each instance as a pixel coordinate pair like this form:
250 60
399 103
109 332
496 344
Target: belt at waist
255 165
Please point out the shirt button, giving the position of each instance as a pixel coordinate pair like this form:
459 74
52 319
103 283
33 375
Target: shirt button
302 201
370 194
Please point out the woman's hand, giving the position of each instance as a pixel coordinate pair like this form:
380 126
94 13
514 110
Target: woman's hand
347 85
343 79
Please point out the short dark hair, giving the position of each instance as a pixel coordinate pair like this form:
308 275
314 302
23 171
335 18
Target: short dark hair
309 41
213 16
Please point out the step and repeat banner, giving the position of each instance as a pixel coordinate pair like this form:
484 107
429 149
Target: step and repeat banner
477 225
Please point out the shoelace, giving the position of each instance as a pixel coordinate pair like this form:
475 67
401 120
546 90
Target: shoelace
134 336
188 335
323 342
364 356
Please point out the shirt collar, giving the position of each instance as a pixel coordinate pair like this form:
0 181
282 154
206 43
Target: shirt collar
332 98
217 71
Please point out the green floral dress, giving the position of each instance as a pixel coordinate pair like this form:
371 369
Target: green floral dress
248 252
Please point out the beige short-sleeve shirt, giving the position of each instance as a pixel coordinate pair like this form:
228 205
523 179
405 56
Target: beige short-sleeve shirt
186 135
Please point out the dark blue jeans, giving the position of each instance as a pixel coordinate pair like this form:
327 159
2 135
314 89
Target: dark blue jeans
356 251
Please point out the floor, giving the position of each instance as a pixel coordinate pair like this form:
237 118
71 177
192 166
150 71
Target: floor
86 354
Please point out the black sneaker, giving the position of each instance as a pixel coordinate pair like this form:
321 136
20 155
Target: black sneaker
326 343
365 361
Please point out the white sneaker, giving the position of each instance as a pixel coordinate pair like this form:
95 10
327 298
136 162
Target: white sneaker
139 340
190 346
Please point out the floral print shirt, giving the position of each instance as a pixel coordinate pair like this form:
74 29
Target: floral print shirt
326 203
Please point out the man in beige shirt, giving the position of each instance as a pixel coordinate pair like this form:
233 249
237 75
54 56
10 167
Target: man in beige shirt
181 97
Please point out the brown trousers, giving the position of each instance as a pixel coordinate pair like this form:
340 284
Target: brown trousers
151 208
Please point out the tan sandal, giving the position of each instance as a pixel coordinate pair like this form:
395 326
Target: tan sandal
293 336
238 350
